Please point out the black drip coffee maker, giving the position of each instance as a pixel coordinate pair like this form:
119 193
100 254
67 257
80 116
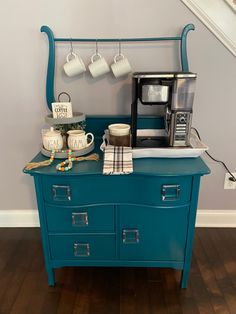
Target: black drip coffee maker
173 93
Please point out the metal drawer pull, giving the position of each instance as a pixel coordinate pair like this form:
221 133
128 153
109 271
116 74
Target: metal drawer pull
130 236
79 219
61 192
81 249
170 192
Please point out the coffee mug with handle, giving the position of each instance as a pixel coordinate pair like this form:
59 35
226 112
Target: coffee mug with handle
78 139
74 66
98 65
121 66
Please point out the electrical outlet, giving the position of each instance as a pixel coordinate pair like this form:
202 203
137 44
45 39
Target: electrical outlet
229 185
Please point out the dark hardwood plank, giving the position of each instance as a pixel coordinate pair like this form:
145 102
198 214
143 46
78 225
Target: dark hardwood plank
228 249
170 286
98 300
214 253
38 292
113 289
17 266
11 282
142 305
27 291
83 279
51 298
208 276
68 292
84 290
127 291
200 292
187 300
8 242
157 302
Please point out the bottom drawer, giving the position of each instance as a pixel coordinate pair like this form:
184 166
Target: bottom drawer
91 247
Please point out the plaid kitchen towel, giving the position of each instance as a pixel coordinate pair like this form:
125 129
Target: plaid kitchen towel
117 160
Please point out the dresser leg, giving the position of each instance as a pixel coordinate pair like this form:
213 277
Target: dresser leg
51 277
184 278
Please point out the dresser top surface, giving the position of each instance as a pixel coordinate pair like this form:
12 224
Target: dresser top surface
143 166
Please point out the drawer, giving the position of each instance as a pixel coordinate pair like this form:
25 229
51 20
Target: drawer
149 233
134 189
98 218
82 247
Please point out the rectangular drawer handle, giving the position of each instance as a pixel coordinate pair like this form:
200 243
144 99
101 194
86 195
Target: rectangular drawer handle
170 192
130 236
80 219
61 192
81 249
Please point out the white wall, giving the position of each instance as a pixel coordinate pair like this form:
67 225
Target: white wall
24 53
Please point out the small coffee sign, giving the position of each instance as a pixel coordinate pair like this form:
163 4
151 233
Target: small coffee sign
62 110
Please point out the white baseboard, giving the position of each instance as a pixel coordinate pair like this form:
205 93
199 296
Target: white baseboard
19 218
221 218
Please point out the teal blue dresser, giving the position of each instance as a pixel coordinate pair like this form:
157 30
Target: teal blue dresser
145 219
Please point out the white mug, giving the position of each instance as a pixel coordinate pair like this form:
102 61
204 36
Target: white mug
99 66
52 140
120 66
78 139
74 66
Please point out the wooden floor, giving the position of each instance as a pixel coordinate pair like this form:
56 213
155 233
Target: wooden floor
24 289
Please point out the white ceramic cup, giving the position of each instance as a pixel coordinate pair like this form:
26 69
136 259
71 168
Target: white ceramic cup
121 66
78 139
52 140
98 65
119 129
119 134
74 65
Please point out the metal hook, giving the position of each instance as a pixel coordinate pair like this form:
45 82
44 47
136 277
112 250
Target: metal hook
119 48
71 46
96 46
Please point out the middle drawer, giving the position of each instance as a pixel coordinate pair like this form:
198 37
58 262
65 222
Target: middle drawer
84 219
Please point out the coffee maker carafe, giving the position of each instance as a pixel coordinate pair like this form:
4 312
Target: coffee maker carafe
174 93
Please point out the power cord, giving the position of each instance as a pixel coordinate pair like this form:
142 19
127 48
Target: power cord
232 178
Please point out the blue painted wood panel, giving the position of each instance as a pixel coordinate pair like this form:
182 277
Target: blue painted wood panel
116 189
142 166
116 263
99 246
162 233
83 219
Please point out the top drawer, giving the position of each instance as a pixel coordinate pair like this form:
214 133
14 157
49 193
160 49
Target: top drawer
132 189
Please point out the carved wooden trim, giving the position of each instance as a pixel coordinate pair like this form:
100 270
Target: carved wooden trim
219 17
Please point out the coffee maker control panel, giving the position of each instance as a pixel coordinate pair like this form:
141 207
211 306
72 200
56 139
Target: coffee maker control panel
182 118
180 128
